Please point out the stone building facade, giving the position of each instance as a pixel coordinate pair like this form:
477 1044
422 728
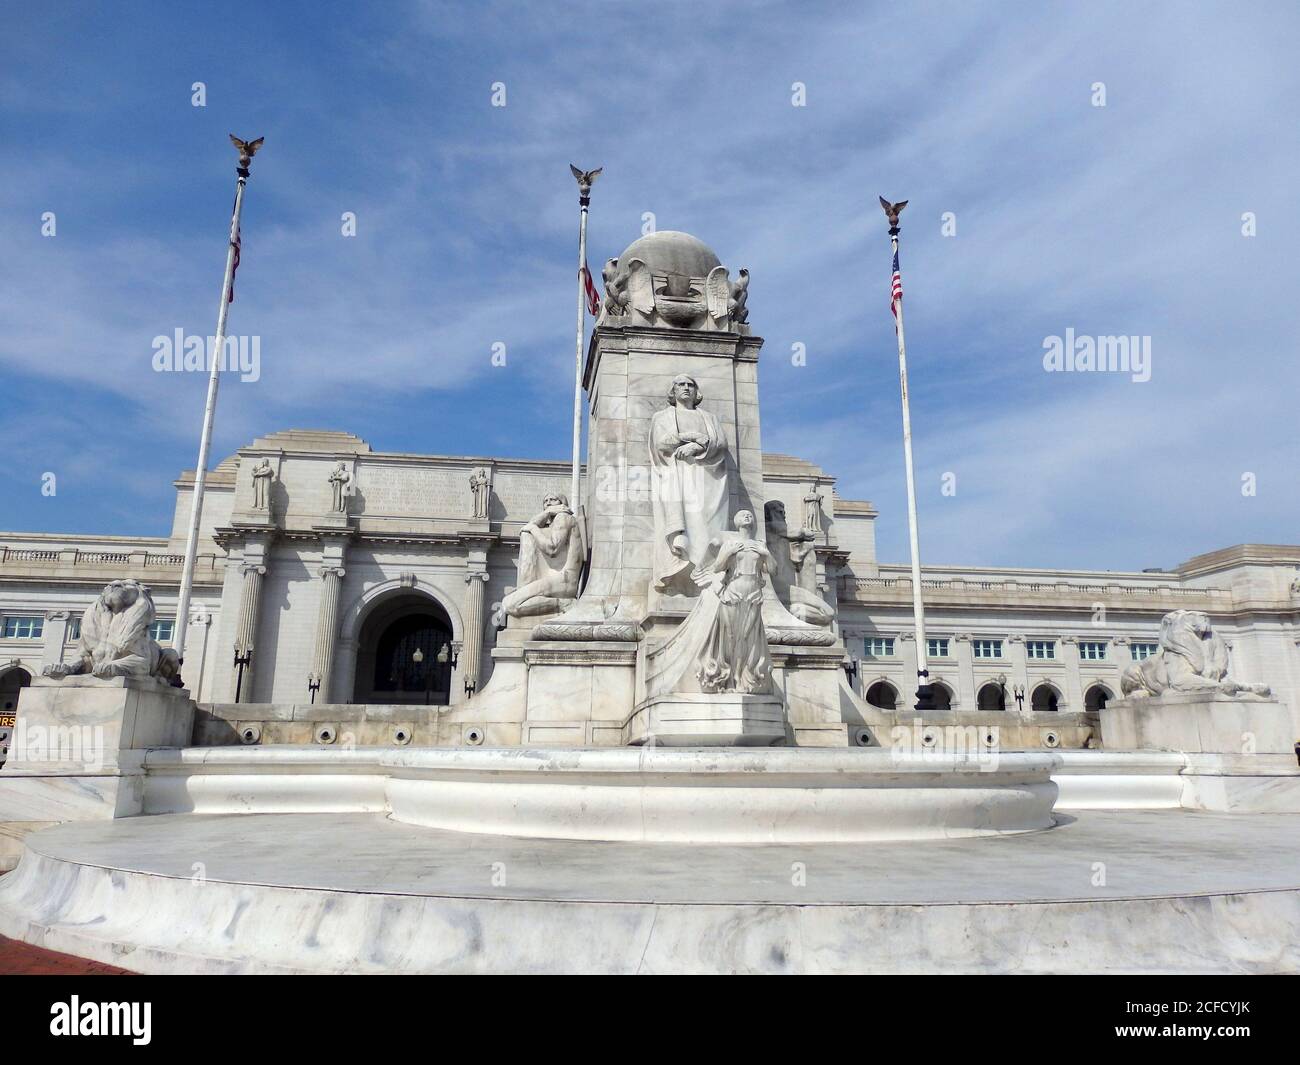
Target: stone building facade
395 600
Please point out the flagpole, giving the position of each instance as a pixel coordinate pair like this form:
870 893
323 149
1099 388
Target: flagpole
924 691
209 410
584 178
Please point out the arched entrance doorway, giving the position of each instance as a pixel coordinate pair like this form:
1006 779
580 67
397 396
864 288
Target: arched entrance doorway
1046 699
399 649
12 681
1096 698
882 695
991 697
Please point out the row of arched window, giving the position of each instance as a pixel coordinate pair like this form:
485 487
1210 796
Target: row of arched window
991 697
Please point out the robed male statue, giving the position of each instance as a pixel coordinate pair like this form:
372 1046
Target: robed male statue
688 482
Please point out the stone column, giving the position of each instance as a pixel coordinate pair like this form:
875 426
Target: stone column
961 647
473 660
905 647
1073 675
1019 673
327 632
250 597
55 637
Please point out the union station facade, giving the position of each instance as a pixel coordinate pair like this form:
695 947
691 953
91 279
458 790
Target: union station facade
393 607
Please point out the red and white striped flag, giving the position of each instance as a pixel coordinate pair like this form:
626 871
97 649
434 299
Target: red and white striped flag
237 242
593 297
896 291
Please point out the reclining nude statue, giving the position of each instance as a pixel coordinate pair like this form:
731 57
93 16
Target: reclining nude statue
115 639
550 561
722 645
1192 658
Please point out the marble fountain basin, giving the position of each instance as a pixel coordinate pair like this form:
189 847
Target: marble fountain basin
713 795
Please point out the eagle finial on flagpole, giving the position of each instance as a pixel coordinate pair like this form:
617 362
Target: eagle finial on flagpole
891 212
585 178
246 150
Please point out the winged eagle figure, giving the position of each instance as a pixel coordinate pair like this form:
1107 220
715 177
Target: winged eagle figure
892 209
246 149
585 178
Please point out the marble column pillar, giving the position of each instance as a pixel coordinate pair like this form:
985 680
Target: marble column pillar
55 637
475 582
966 695
327 633
250 597
1073 674
1019 674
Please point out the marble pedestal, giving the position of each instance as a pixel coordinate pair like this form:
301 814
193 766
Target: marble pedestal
78 751
721 719
1199 723
84 724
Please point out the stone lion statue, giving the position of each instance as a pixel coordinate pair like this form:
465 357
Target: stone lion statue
115 638
1192 658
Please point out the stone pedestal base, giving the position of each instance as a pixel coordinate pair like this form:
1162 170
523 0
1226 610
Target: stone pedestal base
84 724
78 750
722 719
1208 723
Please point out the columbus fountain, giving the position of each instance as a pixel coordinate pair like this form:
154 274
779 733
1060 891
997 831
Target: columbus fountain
668 770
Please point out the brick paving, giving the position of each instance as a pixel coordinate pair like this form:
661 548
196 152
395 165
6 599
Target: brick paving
22 959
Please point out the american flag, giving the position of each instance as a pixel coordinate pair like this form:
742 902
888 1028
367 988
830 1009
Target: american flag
230 296
896 290
593 297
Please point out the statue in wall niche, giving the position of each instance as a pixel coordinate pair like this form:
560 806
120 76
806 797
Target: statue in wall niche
722 645
550 561
263 475
1192 657
480 486
688 485
115 640
794 568
812 510
340 479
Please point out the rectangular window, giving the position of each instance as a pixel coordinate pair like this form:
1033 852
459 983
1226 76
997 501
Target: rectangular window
1092 650
936 648
1140 651
162 631
987 648
74 629
1042 650
24 627
878 647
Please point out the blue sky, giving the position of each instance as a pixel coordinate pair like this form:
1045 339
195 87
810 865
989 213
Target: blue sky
1122 219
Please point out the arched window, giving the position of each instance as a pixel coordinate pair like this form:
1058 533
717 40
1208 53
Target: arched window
1096 698
882 695
992 697
942 697
1045 699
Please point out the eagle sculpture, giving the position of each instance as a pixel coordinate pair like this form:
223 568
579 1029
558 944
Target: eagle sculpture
585 178
891 210
246 149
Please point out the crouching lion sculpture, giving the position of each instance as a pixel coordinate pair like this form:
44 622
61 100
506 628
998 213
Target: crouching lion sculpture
115 639
1192 658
